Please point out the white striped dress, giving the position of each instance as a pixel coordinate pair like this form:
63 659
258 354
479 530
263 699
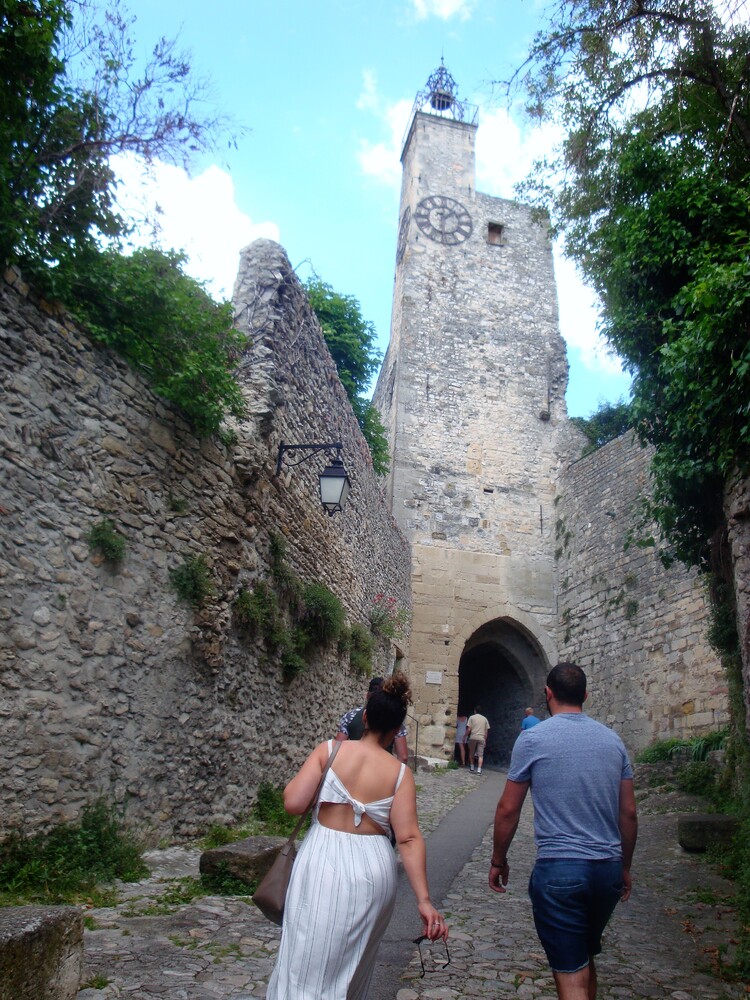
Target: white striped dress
338 905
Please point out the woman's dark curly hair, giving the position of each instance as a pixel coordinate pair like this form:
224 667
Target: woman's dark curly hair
386 708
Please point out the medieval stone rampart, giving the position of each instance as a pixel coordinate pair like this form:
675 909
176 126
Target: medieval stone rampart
638 629
110 686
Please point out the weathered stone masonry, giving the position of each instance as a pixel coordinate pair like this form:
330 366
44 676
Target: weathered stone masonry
109 686
638 629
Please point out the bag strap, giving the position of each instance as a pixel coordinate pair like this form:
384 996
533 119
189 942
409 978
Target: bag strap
314 799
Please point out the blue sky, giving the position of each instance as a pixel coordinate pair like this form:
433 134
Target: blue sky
324 88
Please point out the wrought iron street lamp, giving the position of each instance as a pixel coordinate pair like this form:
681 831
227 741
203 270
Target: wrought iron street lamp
334 480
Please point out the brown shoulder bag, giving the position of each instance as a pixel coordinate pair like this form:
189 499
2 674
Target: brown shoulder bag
270 896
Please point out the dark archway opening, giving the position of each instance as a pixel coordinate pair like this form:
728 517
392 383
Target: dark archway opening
503 670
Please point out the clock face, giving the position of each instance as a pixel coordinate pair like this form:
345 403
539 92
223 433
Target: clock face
443 219
403 234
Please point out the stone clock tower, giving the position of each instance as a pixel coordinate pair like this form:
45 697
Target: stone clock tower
472 395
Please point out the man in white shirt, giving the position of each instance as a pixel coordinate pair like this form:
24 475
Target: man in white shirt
476 734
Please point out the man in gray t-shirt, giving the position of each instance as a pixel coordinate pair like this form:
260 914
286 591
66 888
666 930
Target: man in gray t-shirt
585 827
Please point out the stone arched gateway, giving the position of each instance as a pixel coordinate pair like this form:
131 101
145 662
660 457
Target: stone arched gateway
503 667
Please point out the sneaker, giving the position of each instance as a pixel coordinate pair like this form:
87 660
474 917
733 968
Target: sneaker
472 769
479 770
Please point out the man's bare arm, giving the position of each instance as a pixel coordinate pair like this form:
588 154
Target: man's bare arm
507 815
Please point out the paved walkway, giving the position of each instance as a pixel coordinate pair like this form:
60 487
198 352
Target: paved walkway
668 941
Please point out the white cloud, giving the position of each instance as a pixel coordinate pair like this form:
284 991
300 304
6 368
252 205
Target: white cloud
382 160
505 155
368 99
444 9
196 214
579 316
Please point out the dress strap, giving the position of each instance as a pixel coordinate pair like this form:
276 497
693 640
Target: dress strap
401 773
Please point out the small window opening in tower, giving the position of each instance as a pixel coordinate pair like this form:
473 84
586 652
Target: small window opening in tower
495 232
488 489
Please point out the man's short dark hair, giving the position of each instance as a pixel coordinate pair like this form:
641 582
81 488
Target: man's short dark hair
567 682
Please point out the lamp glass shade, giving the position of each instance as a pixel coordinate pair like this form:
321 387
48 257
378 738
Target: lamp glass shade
334 486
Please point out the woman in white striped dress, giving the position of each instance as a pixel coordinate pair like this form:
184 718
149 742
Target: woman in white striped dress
343 884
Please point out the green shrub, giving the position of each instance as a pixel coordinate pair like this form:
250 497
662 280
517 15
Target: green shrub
257 612
361 644
71 859
388 619
106 539
269 810
293 662
698 746
322 615
165 324
223 883
218 835
698 778
736 861
286 582
344 644
191 581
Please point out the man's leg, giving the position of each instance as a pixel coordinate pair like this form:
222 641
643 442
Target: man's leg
480 758
575 985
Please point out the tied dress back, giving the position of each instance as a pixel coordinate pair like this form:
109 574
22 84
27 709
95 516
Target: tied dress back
339 903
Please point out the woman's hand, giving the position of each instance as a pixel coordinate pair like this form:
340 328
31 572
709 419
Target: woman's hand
434 926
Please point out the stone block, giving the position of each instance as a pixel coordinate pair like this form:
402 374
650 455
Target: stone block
698 831
246 860
41 952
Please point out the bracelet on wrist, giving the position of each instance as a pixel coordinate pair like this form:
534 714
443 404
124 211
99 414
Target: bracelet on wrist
500 864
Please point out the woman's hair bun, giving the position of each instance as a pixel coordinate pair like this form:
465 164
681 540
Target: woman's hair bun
397 686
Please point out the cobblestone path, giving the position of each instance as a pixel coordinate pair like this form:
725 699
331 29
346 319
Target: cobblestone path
667 941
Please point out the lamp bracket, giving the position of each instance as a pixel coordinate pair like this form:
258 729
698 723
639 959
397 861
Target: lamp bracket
310 449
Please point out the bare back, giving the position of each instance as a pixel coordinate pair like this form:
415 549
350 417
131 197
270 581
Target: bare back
369 774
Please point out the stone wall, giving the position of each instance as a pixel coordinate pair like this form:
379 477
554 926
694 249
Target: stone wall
111 686
637 628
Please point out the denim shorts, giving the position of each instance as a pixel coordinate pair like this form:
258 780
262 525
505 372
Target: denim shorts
572 901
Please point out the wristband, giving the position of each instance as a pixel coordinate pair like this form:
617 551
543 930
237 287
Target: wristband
502 864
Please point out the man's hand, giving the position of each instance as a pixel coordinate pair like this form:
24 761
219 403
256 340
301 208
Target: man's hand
499 876
627 885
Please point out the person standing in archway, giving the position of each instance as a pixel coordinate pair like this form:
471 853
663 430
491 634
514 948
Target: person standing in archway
529 720
461 724
476 733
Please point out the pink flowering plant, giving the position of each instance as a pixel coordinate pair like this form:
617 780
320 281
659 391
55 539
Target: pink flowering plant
388 619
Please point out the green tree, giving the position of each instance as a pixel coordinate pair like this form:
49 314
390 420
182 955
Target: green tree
52 194
70 98
351 341
649 188
164 322
607 422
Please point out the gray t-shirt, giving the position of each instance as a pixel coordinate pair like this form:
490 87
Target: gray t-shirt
575 766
